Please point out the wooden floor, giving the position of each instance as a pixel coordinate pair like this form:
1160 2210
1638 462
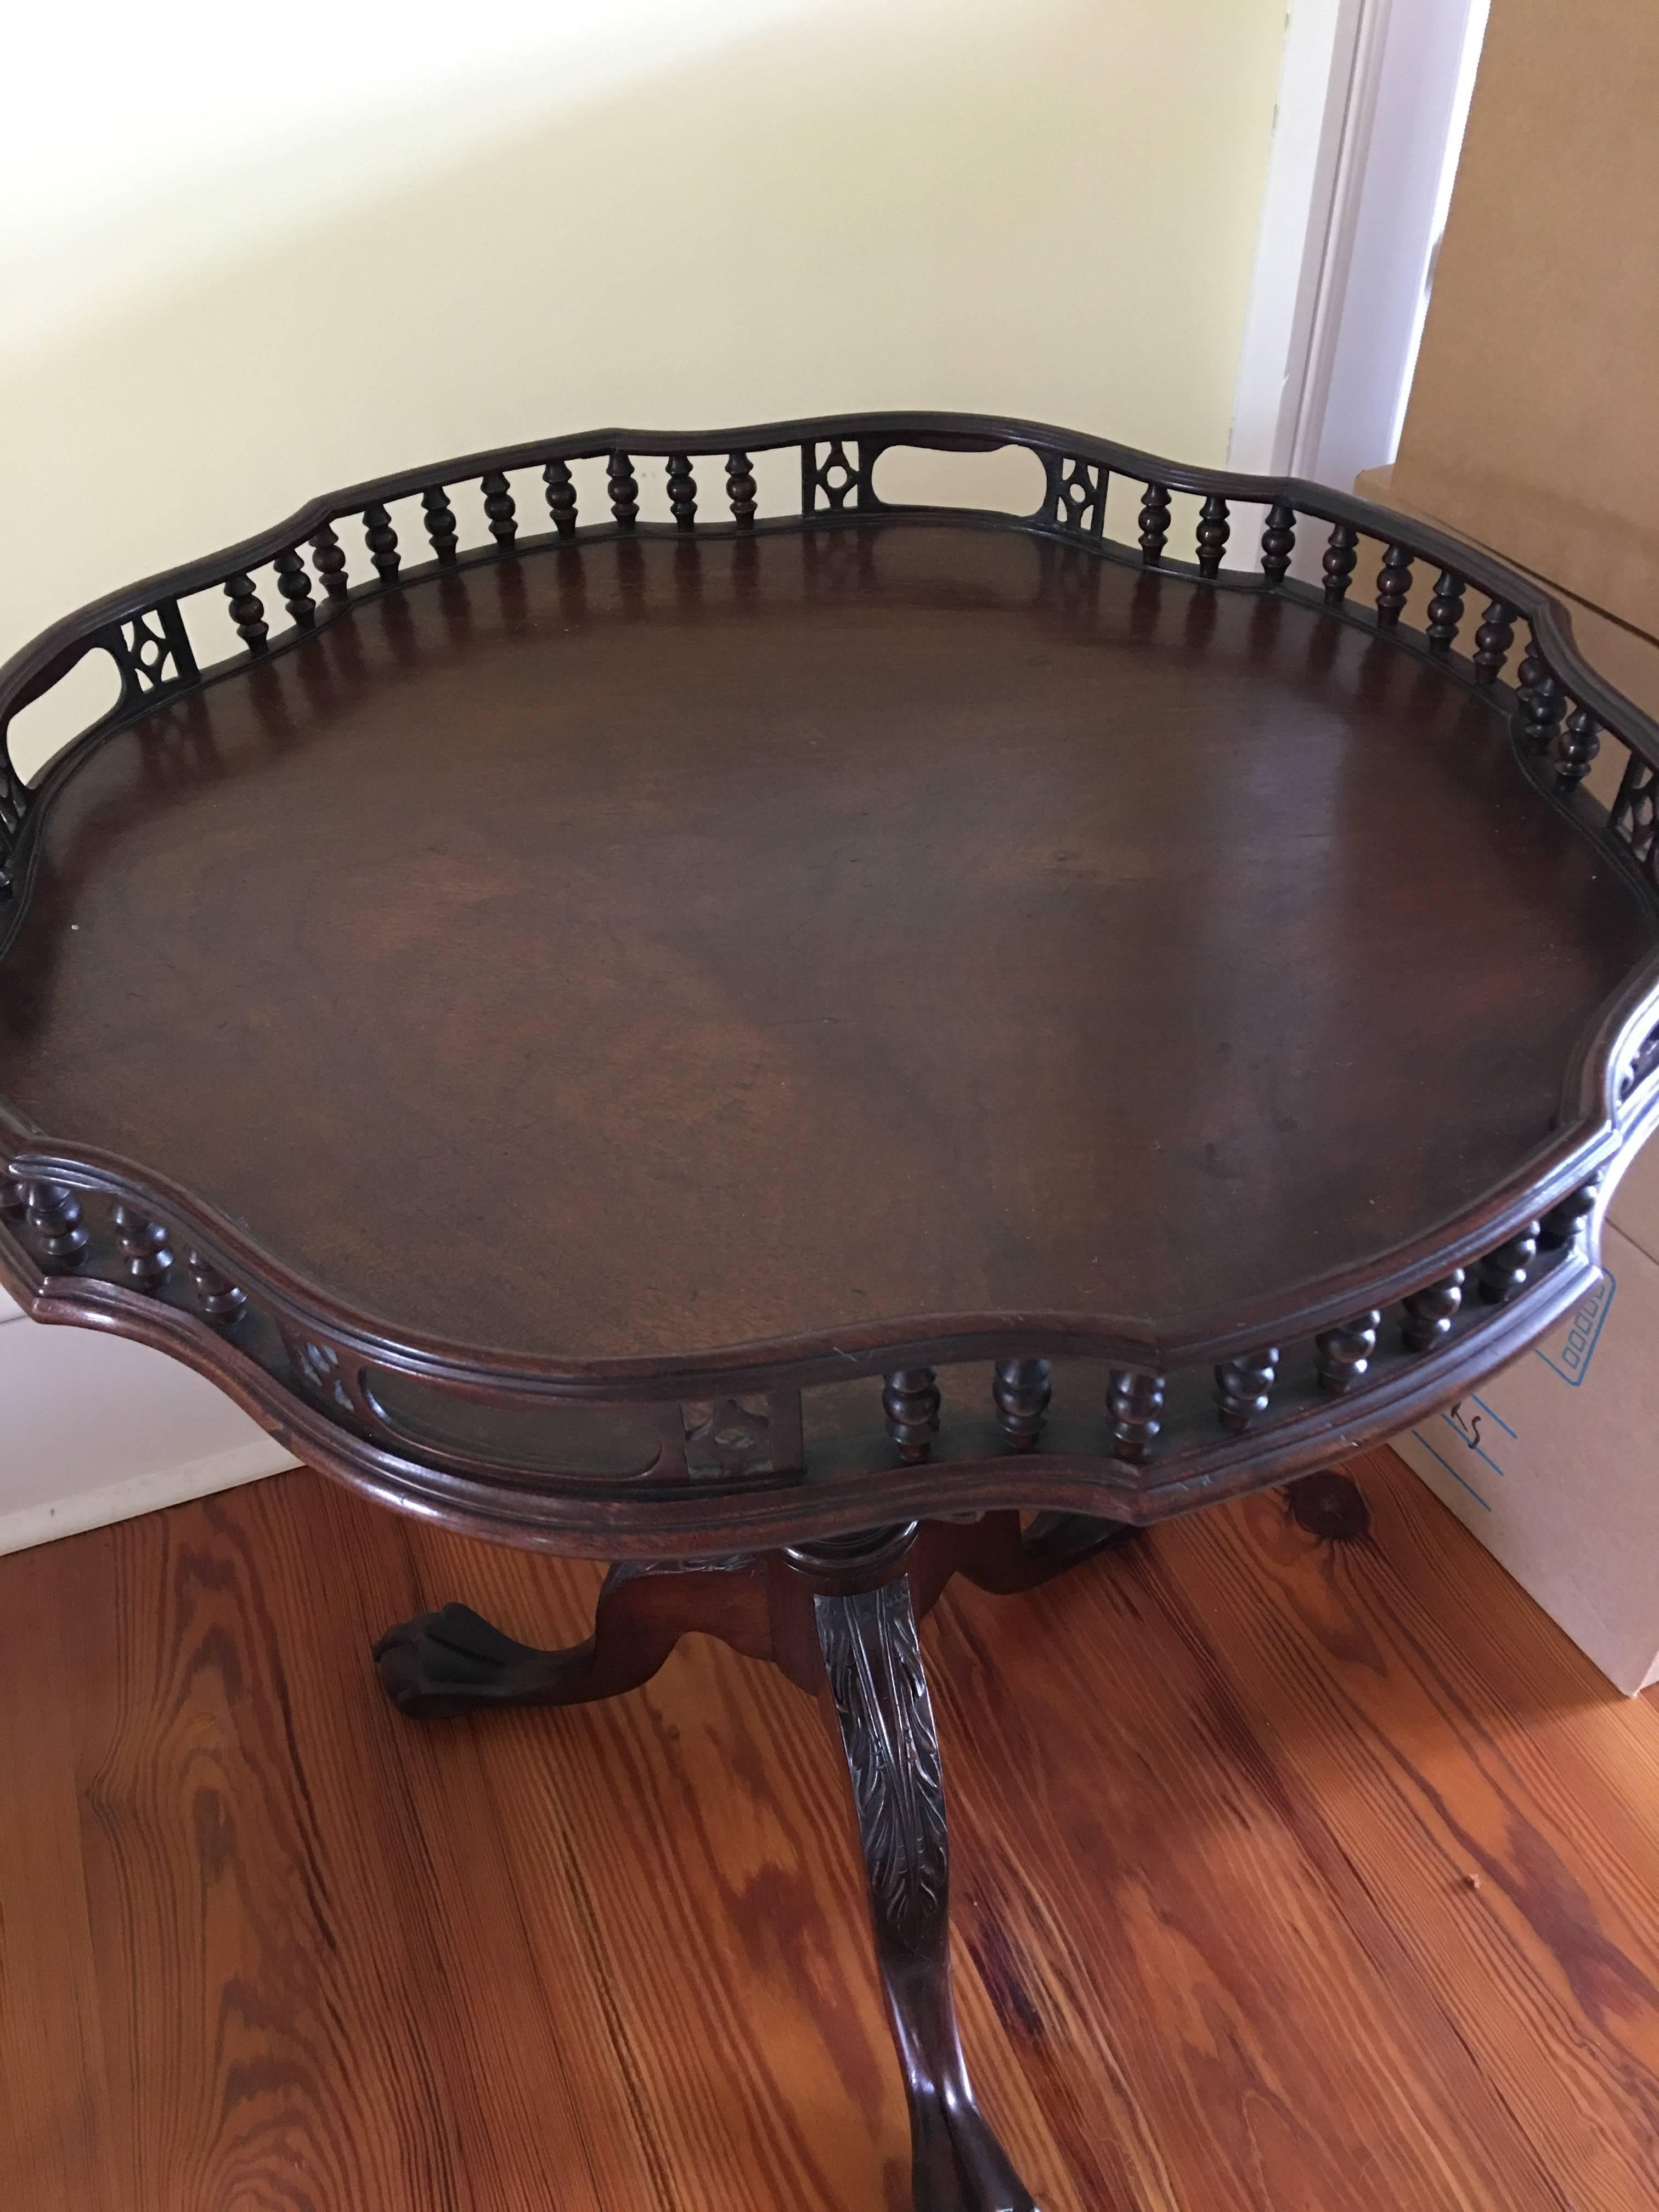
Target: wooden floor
1291 1875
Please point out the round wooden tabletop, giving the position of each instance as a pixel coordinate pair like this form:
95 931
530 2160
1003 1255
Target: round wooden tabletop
662 963
653 947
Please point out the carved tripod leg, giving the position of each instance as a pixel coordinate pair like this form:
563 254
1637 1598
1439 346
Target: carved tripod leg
454 1661
874 1662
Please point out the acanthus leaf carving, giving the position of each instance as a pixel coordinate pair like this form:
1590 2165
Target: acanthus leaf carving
873 1658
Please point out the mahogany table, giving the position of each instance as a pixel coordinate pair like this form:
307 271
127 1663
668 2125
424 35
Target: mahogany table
810 1052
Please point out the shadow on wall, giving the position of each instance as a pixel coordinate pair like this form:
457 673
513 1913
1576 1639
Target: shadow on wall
1049 210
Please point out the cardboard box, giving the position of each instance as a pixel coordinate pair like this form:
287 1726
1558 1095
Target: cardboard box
1530 428
1552 1463
1532 418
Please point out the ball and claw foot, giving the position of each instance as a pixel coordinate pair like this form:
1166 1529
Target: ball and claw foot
453 1660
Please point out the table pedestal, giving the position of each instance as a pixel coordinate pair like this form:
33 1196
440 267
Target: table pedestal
839 1619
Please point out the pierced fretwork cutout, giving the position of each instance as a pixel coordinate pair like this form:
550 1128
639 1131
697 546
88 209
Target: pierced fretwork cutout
152 651
733 1436
1645 1062
1635 816
147 650
14 803
319 1365
1077 499
830 478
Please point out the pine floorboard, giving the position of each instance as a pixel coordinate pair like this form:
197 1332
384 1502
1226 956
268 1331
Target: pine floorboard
1290 1875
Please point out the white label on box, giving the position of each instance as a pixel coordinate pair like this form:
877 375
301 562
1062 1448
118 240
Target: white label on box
1479 1433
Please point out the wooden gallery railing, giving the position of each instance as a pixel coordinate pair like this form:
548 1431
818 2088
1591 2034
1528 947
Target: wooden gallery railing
1165 1409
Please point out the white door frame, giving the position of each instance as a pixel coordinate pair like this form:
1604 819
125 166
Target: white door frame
1373 96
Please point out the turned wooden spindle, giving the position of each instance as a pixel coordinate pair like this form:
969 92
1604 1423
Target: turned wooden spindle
144 1243
1576 747
1542 703
740 490
1429 1314
51 1214
1340 559
1342 1355
1394 584
219 1299
438 517
1154 524
1022 1391
624 492
1504 1274
499 512
910 1399
1493 642
247 611
1446 611
295 585
1244 1387
560 497
1546 704
682 491
1214 531
329 560
1561 1225
382 541
1278 542
1134 1400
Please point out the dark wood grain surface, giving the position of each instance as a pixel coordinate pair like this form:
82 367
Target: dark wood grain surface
648 946
1290 1872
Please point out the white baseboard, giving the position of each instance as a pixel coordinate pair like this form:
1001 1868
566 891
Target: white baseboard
143 1493
94 1428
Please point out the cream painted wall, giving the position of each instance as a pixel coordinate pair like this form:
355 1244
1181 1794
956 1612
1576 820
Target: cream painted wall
250 258
259 257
